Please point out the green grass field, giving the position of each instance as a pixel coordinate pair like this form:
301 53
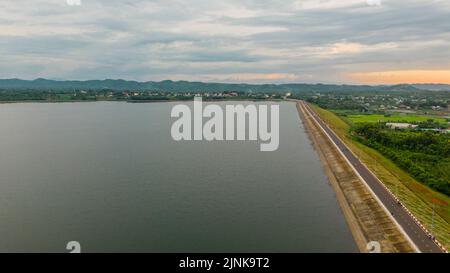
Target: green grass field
394 118
417 197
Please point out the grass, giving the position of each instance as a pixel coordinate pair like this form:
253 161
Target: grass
394 118
417 197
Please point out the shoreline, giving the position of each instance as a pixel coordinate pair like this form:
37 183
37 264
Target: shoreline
350 218
137 101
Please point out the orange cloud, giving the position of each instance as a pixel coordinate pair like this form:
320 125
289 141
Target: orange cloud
404 76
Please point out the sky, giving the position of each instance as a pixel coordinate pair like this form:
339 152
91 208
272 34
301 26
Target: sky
252 41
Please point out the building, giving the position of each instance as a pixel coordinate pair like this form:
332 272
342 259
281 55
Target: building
401 125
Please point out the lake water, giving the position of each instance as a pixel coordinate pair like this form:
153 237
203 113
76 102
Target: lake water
109 176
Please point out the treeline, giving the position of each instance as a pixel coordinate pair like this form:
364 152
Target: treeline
376 101
425 155
8 95
337 104
23 95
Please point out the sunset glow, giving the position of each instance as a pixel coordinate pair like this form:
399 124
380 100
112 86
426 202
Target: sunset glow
398 77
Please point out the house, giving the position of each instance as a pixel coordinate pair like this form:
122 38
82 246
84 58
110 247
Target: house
401 125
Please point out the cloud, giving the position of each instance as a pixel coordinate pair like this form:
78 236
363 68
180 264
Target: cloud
236 40
374 2
399 77
73 2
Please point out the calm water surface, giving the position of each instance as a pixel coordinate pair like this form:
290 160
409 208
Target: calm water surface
110 176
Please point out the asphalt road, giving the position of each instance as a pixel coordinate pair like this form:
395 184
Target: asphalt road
417 235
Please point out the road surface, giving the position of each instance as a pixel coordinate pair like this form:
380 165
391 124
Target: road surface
417 235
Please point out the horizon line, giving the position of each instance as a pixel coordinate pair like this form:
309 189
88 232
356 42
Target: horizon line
219 82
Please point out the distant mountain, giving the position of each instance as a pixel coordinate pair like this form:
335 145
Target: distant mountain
52 84
185 86
433 87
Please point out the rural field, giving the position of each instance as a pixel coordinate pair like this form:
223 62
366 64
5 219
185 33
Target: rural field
394 118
